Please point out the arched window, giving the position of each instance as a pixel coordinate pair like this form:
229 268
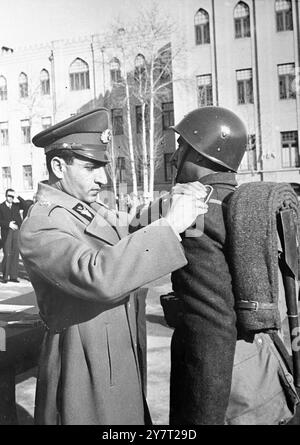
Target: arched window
242 20
3 88
115 70
23 85
202 27
139 68
79 75
45 82
284 15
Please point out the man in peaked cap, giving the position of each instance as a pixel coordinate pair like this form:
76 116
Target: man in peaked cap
84 270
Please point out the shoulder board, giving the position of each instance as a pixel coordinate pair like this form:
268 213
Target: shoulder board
42 207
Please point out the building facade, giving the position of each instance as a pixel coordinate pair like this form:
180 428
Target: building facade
42 85
244 55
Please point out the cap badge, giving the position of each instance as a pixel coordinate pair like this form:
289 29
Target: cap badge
105 136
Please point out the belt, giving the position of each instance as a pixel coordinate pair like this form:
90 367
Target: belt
254 305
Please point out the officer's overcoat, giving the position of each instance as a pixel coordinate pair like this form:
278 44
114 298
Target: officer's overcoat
82 275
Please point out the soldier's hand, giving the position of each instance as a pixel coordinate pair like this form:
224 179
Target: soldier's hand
187 203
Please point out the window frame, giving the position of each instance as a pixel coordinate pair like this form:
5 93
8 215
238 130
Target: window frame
6 179
206 99
117 121
26 175
245 88
290 147
202 30
3 89
80 79
168 167
285 81
45 83
23 86
115 70
284 18
242 24
167 115
26 132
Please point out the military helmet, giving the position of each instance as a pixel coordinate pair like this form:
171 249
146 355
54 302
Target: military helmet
216 133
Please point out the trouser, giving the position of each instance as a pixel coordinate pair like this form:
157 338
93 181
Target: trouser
201 371
10 263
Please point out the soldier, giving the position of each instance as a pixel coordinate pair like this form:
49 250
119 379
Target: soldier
212 142
84 276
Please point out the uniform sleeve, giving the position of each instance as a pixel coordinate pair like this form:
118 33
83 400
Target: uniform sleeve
57 255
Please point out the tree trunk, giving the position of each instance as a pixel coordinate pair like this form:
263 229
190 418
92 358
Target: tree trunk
130 141
113 171
151 136
144 151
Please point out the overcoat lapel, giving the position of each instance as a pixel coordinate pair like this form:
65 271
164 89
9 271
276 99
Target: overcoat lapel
94 219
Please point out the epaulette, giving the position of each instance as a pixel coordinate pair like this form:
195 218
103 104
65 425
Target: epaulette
42 207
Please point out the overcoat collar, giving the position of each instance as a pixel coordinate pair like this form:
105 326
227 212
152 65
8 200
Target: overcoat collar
227 178
94 218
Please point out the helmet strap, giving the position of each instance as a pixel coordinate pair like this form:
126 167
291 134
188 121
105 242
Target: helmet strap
180 166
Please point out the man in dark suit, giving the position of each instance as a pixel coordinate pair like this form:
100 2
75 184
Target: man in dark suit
10 222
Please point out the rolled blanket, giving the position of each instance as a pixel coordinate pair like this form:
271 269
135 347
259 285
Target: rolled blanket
253 251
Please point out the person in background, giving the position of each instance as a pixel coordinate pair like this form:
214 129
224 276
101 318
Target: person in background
10 222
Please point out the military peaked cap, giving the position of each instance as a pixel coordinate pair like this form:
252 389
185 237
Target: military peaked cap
86 134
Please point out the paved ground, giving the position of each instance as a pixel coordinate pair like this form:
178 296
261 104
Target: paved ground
158 342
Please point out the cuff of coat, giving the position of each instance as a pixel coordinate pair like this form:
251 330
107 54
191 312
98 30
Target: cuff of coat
164 222
173 251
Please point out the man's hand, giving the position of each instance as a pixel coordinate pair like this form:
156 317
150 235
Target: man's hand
13 225
187 202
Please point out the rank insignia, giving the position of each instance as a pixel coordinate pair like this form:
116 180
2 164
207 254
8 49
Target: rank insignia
83 211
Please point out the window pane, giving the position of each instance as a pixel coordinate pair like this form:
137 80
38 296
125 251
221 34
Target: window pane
290 149
6 178
168 167
241 10
246 23
241 92
138 118
282 87
46 122
79 75
201 17
249 90
167 115
238 28
206 33
117 121
25 130
279 21
198 30
289 20
27 177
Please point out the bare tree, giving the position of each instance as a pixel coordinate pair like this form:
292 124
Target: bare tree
146 44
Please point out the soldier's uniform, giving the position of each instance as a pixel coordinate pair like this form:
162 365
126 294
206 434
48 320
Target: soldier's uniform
203 345
84 271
